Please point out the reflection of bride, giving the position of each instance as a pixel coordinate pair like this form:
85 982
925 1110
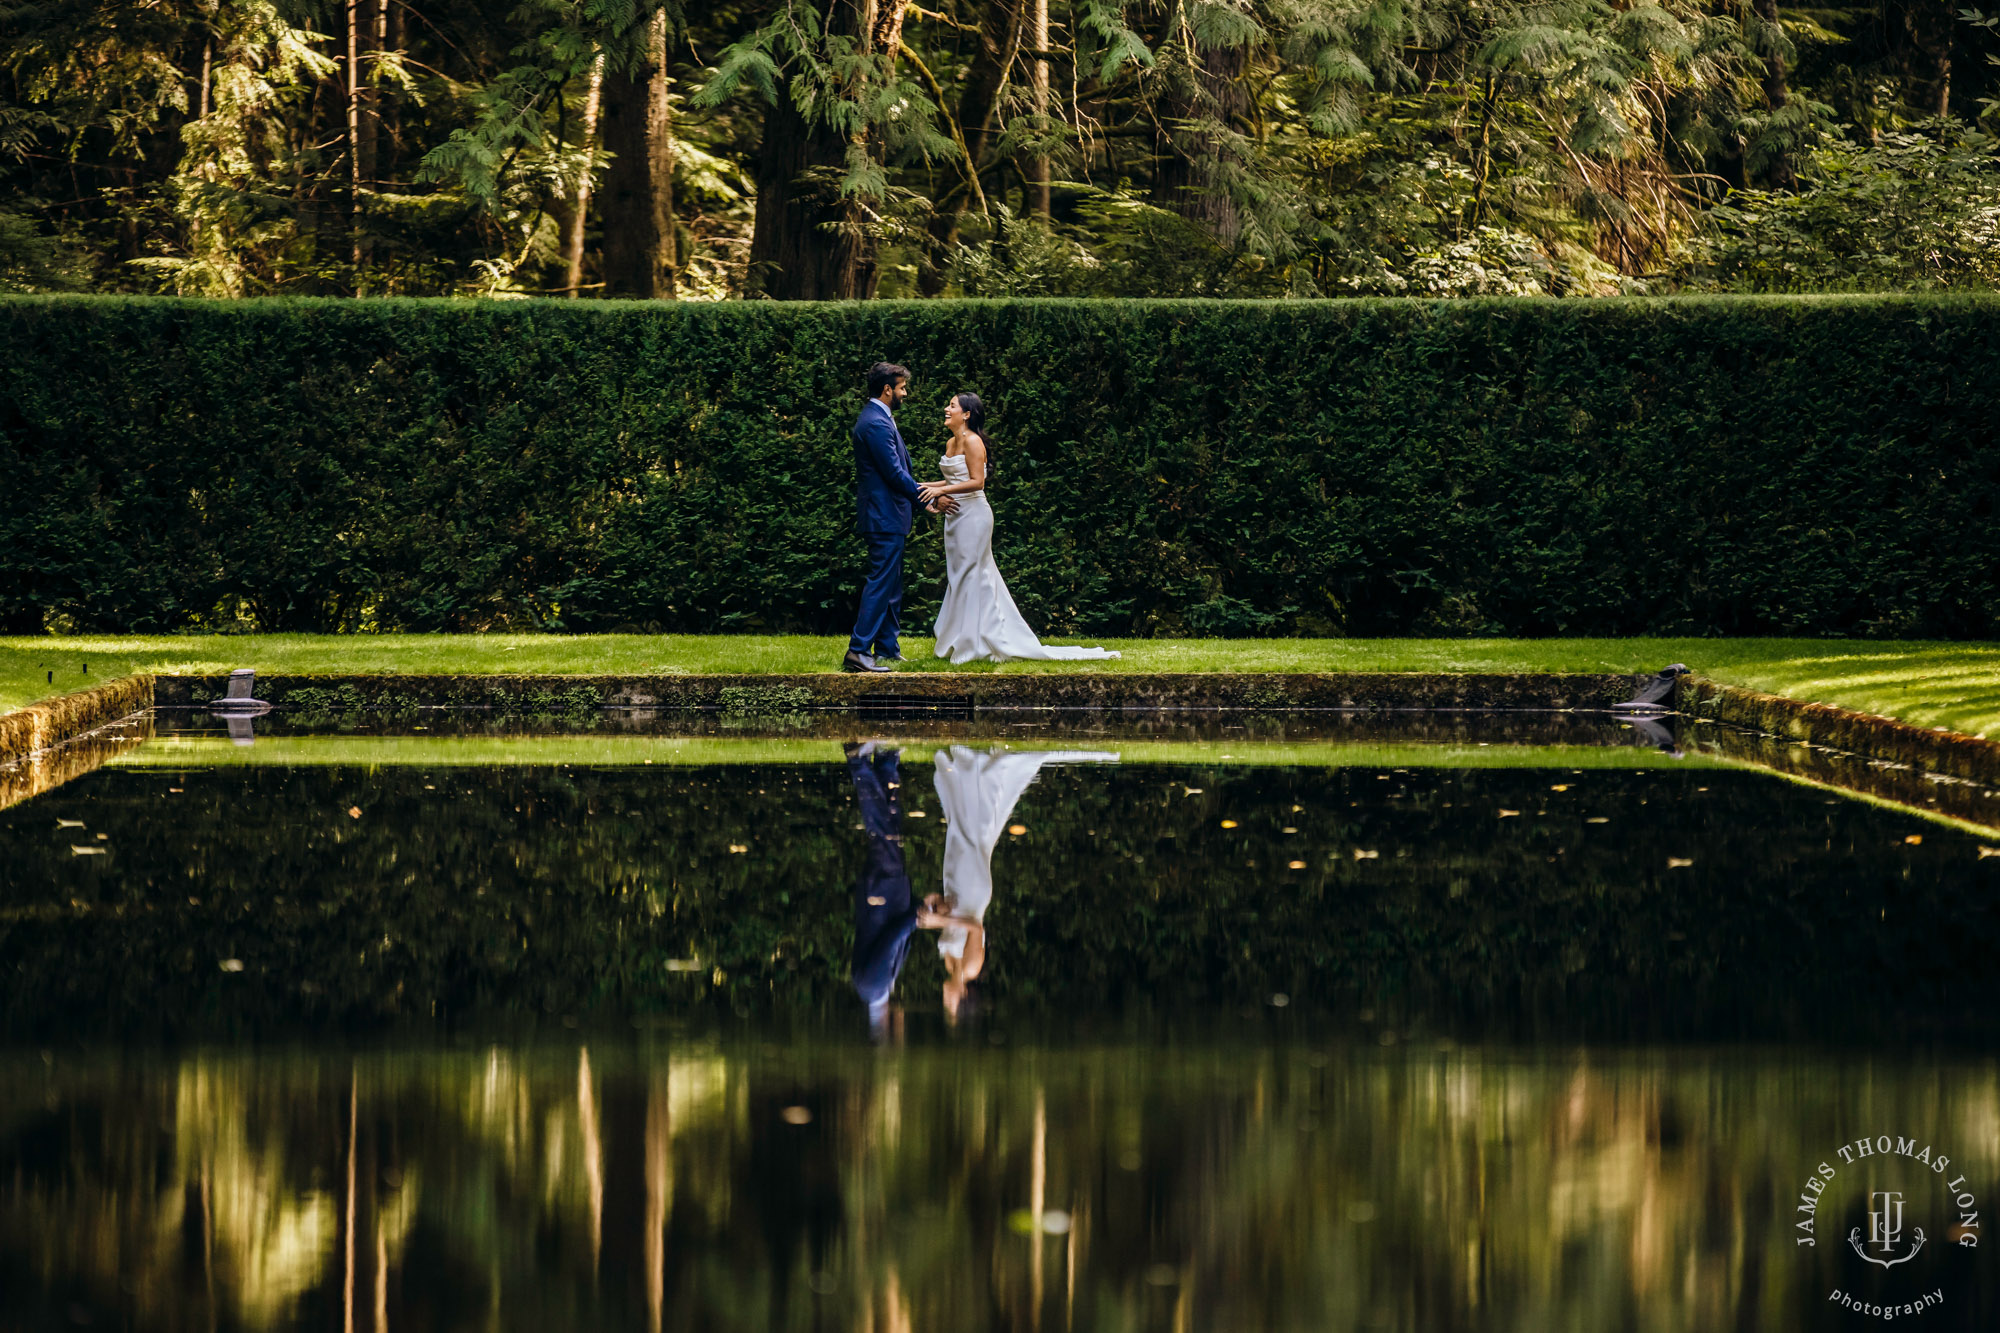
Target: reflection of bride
978 790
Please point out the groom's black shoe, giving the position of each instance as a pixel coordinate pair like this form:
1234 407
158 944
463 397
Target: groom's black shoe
861 662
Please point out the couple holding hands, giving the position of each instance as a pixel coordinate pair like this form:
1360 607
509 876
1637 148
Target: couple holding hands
978 619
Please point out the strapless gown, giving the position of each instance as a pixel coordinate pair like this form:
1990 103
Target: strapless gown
978 618
978 790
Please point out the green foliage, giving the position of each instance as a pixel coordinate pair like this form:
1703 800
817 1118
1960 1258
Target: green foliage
1698 466
33 262
1198 147
765 700
1918 210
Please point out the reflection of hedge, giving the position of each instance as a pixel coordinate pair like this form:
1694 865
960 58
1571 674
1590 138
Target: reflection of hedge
489 892
1729 465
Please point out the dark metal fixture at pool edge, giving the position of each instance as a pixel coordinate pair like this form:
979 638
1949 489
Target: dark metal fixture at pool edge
238 700
238 708
1656 695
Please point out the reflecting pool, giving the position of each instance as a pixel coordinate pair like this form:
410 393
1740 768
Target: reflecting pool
1504 1024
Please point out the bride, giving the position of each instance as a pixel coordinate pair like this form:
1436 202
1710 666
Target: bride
978 618
978 791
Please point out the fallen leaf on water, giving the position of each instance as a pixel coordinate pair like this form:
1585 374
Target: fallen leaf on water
1509 814
1677 862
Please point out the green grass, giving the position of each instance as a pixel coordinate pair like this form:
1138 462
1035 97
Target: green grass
1953 685
178 752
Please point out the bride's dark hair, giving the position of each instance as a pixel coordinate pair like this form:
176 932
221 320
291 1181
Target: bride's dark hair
975 415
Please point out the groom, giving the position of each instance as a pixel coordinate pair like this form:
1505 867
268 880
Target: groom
884 491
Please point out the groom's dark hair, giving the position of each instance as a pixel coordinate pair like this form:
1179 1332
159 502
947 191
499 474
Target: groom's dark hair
882 374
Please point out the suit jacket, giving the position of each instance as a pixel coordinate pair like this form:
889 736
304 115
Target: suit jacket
885 488
885 913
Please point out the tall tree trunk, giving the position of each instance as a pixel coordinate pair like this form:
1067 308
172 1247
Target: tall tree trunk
579 218
1188 179
809 244
1038 165
638 201
1776 91
353 73
369 124
1925 54
387 107
999 30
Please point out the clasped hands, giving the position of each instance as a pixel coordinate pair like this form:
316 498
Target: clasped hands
935 500
936 914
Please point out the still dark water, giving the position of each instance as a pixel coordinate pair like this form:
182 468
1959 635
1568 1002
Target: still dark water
754 1033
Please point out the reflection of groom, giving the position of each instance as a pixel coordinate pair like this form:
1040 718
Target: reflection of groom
884 490
884 915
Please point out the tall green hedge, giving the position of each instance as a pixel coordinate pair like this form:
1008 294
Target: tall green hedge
1728 466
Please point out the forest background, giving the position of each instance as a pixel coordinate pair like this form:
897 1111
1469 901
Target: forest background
799 149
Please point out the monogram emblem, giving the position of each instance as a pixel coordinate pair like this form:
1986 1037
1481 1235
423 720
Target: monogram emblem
1885 1231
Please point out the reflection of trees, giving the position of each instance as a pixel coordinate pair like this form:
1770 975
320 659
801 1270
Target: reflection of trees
1215 1188
557 890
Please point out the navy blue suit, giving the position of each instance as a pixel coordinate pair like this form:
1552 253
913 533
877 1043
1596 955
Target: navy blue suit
885 493
885 915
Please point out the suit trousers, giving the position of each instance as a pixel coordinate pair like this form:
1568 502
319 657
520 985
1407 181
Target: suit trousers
875 624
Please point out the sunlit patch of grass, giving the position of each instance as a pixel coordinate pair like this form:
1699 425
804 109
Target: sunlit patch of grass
180 751
1950 685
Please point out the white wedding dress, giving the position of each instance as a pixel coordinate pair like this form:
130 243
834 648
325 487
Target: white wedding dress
978 618
977 790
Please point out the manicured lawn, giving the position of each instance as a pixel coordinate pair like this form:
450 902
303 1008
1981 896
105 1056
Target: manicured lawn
442 752
1954 685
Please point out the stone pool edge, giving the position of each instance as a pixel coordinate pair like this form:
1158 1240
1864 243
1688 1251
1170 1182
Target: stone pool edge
1205 691
42 726
46 744
1951 754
